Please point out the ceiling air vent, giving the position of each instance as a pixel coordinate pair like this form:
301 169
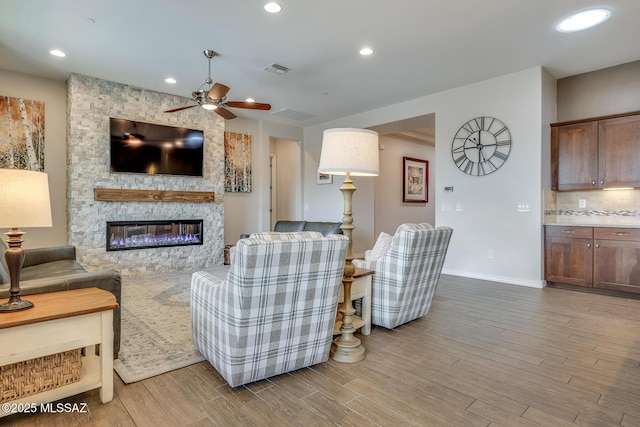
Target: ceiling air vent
276 69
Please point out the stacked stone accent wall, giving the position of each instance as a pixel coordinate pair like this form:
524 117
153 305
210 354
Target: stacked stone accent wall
91 102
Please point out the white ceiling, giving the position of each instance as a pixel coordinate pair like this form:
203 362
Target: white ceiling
421 46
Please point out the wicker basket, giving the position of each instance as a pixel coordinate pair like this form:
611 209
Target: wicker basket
227 254
22 379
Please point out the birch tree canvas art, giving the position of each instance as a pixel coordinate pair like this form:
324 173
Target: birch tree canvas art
21 134
237 163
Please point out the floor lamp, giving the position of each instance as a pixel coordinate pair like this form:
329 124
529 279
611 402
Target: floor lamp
24 201
348 152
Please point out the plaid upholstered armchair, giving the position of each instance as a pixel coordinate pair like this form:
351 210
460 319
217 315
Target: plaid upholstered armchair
406 273
275 311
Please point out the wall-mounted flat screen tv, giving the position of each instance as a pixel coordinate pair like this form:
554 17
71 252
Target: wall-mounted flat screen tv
147 148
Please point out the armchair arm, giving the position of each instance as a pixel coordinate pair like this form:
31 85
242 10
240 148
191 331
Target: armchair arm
360 263
208 310
40 256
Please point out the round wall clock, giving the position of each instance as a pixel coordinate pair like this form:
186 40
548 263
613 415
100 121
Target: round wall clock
481 146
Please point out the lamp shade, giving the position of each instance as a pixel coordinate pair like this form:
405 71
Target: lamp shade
24 199
349 150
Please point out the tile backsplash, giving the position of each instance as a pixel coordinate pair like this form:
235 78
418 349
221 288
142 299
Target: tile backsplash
621 207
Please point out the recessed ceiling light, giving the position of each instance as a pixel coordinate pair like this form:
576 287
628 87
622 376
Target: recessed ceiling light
272 7
57 52
583 20
170 80
366 51
250 100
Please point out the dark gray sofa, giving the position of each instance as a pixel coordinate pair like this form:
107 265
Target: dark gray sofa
326 228
56 269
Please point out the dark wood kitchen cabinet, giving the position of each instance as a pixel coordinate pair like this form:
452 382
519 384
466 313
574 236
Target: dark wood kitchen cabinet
595 257
568 255
616 259
619 151
574 156
596 153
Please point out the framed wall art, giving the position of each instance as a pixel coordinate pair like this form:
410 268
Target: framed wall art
323 178
21 134
415 180
237 163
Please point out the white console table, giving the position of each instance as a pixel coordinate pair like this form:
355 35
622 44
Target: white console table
62 321
360 288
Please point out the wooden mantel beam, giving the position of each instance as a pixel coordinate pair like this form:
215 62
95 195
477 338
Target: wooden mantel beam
125 195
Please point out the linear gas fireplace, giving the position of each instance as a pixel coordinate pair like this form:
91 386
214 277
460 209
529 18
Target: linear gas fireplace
126 235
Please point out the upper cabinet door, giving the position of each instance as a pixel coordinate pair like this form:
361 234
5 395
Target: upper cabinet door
574 156
619 152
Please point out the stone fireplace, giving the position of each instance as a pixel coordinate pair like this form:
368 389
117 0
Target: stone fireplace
91 102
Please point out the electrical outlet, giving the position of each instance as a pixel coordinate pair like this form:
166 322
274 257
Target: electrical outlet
492 254
582 203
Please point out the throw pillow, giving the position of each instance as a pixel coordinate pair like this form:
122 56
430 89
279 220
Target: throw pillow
381 247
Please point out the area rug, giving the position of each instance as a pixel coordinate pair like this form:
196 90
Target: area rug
156 324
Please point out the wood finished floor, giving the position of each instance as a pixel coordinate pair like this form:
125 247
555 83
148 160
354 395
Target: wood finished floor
487 354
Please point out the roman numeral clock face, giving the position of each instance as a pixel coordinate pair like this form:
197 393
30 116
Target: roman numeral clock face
481 146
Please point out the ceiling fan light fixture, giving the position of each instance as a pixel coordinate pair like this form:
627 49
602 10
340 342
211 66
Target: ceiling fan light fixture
250 100
209 106
583 20
170 80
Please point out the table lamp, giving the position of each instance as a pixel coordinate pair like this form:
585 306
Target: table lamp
347 151
24 201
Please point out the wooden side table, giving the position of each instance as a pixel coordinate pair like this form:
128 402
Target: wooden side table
360 288
62 321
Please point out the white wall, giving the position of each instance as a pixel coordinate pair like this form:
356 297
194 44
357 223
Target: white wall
489 220
389 209
603 92
249 212
54 95
241 208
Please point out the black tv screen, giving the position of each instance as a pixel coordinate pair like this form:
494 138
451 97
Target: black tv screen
138 147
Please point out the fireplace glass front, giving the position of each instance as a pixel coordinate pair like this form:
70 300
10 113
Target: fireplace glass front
126 235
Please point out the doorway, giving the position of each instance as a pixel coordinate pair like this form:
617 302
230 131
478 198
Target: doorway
415 138
286 180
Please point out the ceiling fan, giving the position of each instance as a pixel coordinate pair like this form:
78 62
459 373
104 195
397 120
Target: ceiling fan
215 97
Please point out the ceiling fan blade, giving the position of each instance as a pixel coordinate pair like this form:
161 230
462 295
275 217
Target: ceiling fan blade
218 91
249 105
225 113
180 109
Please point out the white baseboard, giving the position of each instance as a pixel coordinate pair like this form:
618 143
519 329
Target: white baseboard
502 279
